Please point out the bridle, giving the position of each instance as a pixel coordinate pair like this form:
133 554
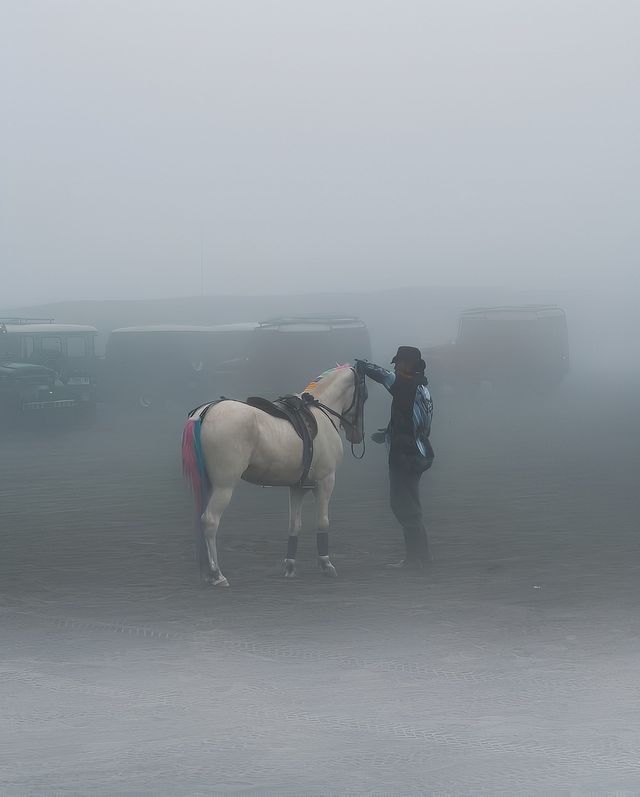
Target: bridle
358 400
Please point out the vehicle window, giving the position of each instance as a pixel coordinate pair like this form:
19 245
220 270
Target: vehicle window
76 346
51 344
27 347
8 347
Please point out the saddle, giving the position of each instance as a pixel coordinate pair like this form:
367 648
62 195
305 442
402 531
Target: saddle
297 411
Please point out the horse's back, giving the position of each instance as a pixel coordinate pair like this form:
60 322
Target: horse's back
228 421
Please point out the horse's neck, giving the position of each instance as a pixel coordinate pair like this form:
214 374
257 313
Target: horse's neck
335 391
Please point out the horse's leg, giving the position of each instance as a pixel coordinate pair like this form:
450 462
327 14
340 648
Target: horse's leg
296 497
218 502
322 493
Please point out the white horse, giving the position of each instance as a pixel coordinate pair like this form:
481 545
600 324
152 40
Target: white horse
227 441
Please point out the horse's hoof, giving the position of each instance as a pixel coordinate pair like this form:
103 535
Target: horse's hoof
328 569
218 581
289 569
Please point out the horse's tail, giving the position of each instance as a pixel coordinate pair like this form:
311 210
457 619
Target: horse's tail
193 467
195 472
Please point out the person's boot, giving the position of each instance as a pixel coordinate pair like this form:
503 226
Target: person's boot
412 560
423 552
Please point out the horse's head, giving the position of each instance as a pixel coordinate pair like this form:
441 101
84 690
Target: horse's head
342 391
353 412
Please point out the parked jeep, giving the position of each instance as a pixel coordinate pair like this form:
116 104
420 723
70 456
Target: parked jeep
47 366
184 365
286 353
514 348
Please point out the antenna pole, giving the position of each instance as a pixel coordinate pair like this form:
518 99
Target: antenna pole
201 265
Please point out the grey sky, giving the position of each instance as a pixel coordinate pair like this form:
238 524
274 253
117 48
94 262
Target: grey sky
321 144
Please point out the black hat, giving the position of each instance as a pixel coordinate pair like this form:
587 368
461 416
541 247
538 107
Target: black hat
408 354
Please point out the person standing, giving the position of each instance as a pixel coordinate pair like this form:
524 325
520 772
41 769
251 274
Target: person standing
410 452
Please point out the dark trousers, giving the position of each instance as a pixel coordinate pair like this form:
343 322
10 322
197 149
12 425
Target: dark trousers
404 485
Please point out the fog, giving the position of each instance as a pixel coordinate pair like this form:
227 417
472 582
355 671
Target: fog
209 163
294 146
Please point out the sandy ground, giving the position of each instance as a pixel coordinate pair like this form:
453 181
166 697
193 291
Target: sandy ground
512 668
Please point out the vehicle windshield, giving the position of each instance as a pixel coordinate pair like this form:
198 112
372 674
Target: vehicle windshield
9 348
79 346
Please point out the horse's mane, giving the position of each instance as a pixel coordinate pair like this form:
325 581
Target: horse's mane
324 374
